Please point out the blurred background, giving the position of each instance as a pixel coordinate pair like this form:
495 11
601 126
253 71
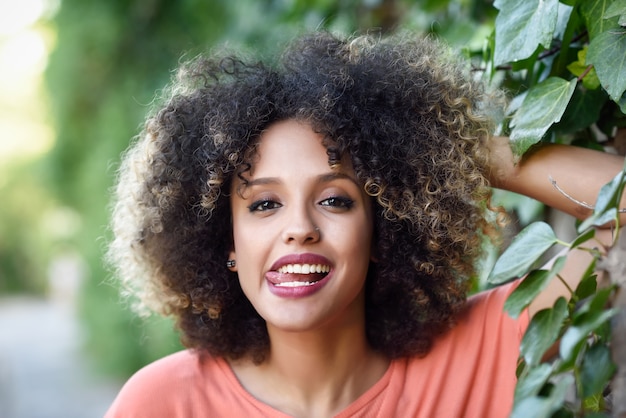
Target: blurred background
76 80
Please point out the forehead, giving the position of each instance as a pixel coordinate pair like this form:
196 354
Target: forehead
291 147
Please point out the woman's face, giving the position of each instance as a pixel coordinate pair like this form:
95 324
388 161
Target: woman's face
302 233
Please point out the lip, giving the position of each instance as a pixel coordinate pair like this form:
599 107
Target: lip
274 278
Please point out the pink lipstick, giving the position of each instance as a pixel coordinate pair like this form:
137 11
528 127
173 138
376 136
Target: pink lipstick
299 275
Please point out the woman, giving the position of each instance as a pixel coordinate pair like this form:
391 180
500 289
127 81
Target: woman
314 227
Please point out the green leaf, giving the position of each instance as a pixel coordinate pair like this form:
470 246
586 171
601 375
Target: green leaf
582 238
597 303
564 13
575 335
531 384
590 80
597 369
530 287
607 53
593 12
607 201
524 251
599 219
617 8
544 105
521 26
583 109
544 407
586 287
610 193
543 332
591 268
536 407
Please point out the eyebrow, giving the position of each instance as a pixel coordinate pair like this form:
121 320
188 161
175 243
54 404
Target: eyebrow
323 178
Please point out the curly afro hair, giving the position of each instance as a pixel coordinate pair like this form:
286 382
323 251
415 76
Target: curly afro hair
406 113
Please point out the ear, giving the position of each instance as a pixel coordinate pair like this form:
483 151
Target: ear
232 256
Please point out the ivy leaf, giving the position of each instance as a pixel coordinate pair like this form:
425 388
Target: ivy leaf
595 304
597 369
583 109
593 11
590 80
524 251
543 332
608 198
601 218
618 8
544 407
530 287
521 26
610 192
531 384
607 53
586 287
576 334
582 238
544 105
564 12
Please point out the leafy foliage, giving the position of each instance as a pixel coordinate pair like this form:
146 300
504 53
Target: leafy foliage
543 106
585 42
565 64
523 252
522 26
579 326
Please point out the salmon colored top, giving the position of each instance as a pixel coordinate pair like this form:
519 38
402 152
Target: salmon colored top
470 372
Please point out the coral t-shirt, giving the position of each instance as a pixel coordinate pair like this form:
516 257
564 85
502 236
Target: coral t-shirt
470 372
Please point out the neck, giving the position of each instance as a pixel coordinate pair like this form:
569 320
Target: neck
314 373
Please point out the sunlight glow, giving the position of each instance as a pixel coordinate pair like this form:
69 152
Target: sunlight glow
16 15
24 46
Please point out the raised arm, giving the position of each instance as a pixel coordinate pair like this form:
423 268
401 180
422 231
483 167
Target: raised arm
579 173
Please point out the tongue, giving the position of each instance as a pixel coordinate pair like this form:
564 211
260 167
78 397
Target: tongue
276 277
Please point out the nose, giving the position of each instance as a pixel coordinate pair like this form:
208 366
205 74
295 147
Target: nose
301 228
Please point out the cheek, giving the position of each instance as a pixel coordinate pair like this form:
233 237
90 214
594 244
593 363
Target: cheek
358 241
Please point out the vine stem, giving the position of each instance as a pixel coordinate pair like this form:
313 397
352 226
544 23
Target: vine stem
544 54
578 202
589 67
567 286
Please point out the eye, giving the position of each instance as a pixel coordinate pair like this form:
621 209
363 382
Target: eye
264 205
338 202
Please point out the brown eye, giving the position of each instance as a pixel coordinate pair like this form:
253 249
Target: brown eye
338 202
263 205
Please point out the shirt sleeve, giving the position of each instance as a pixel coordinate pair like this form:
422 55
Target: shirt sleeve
164 388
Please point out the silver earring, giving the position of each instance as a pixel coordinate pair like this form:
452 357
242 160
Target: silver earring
230 264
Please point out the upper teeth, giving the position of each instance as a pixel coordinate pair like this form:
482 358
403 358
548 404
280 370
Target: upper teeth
304 268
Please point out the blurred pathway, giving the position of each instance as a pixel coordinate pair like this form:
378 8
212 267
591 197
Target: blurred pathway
43 373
